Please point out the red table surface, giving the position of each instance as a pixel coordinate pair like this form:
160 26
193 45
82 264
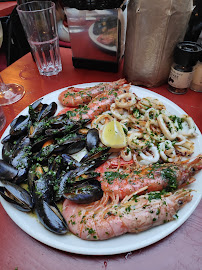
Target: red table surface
180 250
7 7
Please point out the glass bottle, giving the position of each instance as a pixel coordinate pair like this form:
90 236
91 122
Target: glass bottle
196 84
186 55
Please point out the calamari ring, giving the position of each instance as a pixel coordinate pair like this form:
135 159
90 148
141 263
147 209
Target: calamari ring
124 124
186 149
167 151
149 102
137 141
164 121
137 122
192 127
154 112
181 140
149 157
119 113
126 154
125 100
101 120
154 131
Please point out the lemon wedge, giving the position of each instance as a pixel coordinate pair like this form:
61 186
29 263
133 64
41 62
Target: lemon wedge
112 135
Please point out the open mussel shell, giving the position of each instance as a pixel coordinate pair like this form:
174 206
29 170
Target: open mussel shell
83 177
47 111
16 195
39 110
86 192
95 154
37 129
70 162
50 216
92 139
70 144
25 142
38 143
19 125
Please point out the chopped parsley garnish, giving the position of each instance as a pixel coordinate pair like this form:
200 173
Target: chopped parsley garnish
111 176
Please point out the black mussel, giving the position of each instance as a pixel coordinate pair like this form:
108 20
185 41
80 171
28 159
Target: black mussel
22 162
38 129
59 132
16 195
35 109
36 106
31 178
11 147
39 142
83 177
48 111
44 187
95 163
7 152
73 174
43 155
95 153
6 139
63 182
39 115
50 216
62 120
56 166
87 192
19 125
25 142
67 142
40 183
7 172
70 138
70 162
75 147
92 139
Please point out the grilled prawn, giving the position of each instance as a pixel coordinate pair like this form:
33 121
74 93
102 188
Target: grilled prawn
98 105
103 220
73 97
122 179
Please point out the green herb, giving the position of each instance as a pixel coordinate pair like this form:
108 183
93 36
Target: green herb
170 176
110 176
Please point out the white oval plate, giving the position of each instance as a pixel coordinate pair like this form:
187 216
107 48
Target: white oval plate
121 244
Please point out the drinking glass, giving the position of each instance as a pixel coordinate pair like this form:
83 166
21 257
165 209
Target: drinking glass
1 34
10 93
2 119
39 22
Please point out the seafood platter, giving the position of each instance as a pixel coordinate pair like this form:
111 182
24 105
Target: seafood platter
101 168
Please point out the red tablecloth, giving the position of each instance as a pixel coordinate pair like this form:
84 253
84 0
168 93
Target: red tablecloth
7 7
180 250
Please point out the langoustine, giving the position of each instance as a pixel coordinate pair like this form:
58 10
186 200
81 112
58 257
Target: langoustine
73 97
98 105
103 220
155 176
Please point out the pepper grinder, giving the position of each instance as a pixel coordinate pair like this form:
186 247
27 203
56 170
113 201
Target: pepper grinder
186 55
